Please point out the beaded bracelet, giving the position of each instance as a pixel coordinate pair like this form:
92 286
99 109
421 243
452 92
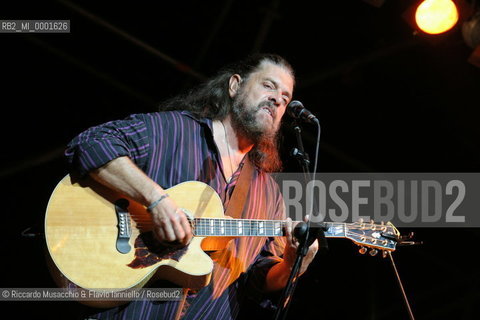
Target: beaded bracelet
154 204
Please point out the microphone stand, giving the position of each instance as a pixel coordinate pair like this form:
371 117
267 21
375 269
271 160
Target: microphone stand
302 233
299 153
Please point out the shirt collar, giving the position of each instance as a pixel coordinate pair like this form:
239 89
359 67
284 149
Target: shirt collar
209 123
205 121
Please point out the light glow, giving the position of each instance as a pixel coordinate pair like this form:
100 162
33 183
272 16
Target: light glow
436 16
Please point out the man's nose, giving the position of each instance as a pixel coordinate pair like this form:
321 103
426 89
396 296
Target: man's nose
275 99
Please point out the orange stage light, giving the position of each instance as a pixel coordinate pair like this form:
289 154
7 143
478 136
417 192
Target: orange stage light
436 16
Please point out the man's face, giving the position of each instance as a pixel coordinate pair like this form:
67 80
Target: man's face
261 100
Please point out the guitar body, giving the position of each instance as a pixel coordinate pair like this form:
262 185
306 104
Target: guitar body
82 230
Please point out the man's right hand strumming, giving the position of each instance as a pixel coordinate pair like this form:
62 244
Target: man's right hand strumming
171 225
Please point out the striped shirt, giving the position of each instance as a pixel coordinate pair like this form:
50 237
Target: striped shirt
173 147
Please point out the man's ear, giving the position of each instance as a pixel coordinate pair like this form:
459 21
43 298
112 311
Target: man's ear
234 84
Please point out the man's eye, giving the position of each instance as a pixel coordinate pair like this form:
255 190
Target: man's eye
268 85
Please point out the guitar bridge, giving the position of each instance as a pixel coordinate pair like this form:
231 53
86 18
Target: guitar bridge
123 225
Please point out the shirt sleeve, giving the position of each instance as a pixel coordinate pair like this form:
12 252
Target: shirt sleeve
255 282
100 144
271 254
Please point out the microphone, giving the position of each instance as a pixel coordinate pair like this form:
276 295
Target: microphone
296 110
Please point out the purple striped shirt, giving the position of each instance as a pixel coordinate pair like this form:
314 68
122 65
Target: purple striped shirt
173 147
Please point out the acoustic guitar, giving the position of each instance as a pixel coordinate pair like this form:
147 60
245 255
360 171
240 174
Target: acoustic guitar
98 239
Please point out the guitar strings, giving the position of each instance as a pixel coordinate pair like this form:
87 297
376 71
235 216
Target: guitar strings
267 224
203 227
206 220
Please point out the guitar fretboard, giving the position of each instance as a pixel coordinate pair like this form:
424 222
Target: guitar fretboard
211 227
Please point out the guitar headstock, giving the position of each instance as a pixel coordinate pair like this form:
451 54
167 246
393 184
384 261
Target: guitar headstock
383 236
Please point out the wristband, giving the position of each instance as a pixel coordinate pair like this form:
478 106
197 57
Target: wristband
154 204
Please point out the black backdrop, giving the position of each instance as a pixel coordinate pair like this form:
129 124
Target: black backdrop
387 100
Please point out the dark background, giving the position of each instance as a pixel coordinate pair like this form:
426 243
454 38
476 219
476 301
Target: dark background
388 100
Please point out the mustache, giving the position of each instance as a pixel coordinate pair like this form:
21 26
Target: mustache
269 105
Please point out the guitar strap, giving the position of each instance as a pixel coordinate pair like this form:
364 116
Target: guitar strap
237 200
234 210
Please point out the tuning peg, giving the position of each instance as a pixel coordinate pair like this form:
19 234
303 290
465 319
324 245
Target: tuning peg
384 253
373 252
407 237
362 250
403 240
383 226
410 243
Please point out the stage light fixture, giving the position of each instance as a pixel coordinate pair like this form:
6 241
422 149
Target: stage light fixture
471 30
436 16
471 36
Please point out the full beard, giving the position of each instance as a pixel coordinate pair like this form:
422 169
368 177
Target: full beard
245 120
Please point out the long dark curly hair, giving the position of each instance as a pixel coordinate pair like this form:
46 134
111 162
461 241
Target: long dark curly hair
211 99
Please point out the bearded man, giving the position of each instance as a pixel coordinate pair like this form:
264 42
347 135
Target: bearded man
207 135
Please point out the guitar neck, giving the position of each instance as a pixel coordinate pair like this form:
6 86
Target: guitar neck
218 227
